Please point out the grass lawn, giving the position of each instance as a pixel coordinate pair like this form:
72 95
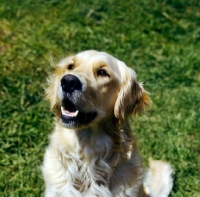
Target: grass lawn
160 40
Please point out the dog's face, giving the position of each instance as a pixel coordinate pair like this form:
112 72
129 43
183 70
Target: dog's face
93 86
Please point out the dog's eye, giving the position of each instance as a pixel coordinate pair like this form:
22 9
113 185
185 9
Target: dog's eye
70 66
103 73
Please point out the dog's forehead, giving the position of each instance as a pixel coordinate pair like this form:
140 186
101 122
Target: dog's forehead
95 58
92 57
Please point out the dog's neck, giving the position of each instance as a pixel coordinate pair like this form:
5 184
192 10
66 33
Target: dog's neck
97 152
96 140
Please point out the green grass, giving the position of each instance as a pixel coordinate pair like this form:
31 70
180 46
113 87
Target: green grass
159 39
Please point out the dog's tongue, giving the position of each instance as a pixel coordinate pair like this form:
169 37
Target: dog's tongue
65 112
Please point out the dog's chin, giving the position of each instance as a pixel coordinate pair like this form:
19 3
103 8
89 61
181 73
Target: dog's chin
76 119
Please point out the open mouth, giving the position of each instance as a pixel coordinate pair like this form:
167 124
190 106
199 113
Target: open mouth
73 117
68 113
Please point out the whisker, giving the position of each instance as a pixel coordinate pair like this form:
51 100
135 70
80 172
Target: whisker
92 102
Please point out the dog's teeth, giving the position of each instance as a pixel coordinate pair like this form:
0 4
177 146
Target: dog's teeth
62 110
76 113
70 114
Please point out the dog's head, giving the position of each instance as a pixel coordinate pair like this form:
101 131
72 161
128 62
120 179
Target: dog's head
93 86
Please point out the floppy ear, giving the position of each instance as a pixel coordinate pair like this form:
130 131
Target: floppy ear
51 91
132 97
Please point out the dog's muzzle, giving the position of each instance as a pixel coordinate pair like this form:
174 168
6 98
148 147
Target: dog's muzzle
71 114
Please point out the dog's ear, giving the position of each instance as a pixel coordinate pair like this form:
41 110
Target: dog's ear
51 91
132 97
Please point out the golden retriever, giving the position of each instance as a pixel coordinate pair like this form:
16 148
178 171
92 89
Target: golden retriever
92 151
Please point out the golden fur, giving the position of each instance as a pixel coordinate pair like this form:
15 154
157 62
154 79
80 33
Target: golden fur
92 150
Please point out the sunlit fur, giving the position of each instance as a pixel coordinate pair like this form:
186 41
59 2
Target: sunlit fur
99 159
158 181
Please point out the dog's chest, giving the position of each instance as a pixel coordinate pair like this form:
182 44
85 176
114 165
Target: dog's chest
77 171
82 176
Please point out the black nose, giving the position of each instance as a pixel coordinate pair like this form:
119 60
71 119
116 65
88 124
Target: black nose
70 83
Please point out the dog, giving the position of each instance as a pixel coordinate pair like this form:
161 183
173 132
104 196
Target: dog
92 151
